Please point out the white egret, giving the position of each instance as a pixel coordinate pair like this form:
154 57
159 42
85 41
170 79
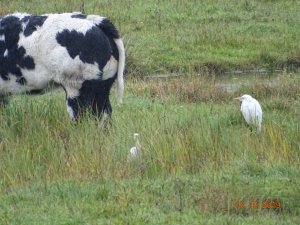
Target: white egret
251 111
135 151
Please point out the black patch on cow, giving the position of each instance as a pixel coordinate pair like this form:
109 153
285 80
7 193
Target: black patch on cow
93 94
115 51
79 16
112 33
10 27
2 47
32 23
109 29
21 80
12 57
90 47
14 61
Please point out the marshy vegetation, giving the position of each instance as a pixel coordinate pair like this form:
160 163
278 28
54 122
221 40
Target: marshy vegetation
200 161
199 157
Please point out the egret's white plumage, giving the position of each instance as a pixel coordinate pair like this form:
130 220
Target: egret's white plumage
135 151
251 111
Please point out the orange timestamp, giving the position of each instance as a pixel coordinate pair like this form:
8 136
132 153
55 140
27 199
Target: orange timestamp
259 204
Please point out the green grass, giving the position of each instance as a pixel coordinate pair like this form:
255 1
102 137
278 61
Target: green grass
163 36
170 200
199 158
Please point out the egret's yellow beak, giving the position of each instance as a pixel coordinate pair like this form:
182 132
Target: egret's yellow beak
238 98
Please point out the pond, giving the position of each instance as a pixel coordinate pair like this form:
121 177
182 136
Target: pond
232 81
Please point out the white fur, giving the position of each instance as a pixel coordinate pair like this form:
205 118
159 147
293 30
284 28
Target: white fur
95 19
9 86
121 66
52 61
70 111
110 68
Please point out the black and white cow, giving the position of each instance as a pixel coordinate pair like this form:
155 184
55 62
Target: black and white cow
82 53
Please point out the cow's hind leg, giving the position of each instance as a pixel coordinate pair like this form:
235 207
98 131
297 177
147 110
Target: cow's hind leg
94 95
106 113
103 109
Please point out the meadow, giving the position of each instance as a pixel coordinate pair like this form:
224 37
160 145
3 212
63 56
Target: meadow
200 162
182 36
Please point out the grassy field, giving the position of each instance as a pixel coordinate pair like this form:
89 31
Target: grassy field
200 163
176 35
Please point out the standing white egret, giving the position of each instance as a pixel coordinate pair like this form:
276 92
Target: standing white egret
251 111
135 151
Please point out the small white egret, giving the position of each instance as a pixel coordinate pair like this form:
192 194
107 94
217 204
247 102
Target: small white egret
251 111
135 151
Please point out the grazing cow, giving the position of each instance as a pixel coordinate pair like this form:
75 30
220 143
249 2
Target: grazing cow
82 53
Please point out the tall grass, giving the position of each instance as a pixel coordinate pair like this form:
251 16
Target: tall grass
177 135
199 151
198 154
